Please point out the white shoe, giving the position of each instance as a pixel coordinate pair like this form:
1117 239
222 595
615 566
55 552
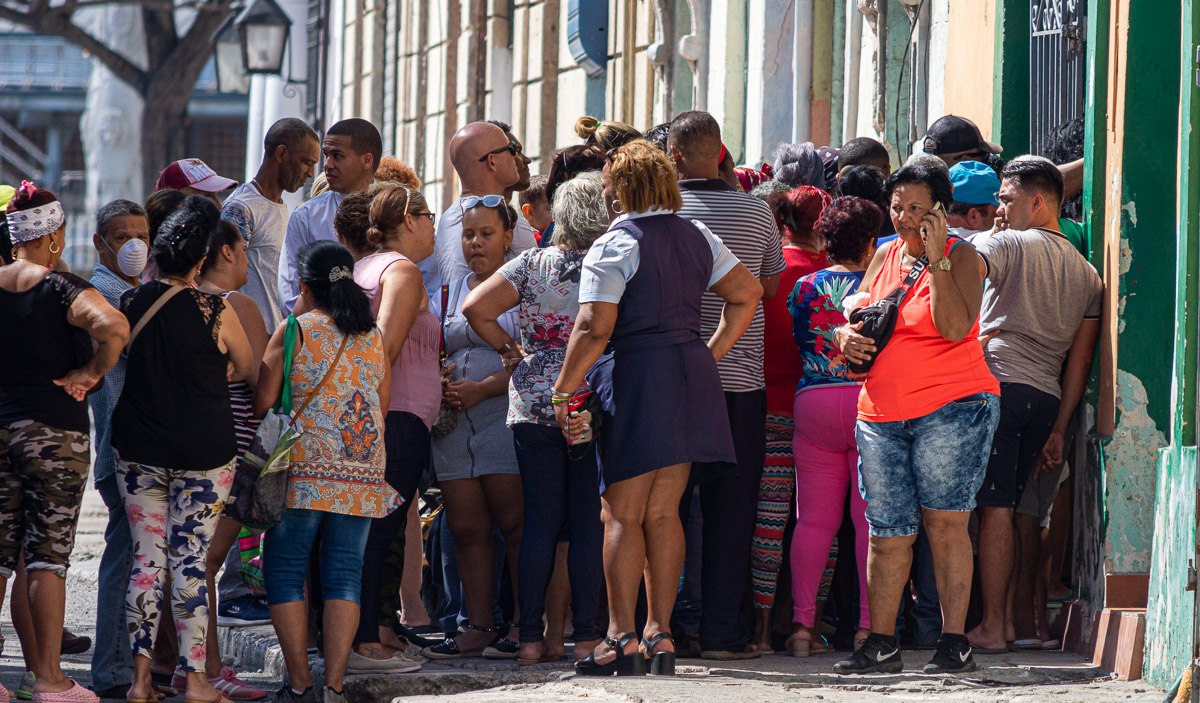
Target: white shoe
398 664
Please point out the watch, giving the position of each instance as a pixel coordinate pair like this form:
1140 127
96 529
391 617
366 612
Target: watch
943 265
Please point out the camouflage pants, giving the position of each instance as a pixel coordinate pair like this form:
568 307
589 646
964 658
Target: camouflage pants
43 471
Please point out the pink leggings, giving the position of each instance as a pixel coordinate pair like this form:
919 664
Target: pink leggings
826 467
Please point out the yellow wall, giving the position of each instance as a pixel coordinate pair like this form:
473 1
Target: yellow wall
970 53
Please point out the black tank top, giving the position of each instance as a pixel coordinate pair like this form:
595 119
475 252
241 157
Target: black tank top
174 410
39 346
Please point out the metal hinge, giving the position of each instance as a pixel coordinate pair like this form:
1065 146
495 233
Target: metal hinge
1198 66
1191 576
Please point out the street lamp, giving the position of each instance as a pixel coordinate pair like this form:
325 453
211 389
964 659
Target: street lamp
263 27
231 68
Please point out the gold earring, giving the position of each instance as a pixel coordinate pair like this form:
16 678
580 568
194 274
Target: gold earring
52 249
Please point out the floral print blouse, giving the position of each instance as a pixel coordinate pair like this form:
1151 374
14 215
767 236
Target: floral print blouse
548 283
337 466
816 307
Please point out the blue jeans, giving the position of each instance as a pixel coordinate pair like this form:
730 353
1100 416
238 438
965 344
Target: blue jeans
558 489
285 555
112 659
936 461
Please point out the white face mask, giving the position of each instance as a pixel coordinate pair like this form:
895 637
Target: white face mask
131 258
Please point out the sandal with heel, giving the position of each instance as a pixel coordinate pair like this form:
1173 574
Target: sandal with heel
661 663
623 665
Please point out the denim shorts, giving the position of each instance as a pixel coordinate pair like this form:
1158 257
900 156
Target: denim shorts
936 461
289 544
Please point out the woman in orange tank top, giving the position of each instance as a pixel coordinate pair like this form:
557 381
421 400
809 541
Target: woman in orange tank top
926 415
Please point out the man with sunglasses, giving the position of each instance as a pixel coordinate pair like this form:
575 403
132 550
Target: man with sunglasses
489 162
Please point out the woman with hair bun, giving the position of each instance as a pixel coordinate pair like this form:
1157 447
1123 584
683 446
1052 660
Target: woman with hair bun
173 434
604 134
386 233
47 367
340 384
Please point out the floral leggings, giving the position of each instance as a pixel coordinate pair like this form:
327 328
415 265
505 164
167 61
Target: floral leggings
173 515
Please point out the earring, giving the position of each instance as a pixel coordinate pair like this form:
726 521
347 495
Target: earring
616 206
52 249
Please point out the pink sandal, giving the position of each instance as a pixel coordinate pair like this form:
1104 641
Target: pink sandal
74 694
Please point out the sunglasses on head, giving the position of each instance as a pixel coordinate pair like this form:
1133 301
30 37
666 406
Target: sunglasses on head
489 201
511 147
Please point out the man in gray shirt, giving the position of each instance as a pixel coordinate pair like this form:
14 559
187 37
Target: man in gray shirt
1041 308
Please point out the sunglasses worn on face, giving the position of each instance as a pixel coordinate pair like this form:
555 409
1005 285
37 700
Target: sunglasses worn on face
511 147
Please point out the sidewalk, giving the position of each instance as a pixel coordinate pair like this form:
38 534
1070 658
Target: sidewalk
1029 677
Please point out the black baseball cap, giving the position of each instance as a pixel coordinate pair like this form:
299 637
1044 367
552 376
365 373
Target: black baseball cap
952 134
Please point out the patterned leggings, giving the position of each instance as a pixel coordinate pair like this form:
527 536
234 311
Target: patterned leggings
774 507
173 515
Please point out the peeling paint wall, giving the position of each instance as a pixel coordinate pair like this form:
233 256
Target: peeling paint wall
1168 620
1132 462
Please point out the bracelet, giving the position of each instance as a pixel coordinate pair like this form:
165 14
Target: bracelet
508 346
556 401
557 394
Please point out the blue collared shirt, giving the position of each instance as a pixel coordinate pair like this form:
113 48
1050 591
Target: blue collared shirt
102 402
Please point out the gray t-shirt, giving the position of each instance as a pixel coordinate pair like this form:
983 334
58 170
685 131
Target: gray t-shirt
1038 291
262 224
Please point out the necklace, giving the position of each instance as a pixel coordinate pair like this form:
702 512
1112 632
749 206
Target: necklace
30 261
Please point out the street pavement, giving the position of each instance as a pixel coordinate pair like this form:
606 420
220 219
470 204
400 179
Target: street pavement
1028 677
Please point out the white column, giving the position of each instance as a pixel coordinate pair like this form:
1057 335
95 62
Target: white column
802 69
272 98
111 124
769 87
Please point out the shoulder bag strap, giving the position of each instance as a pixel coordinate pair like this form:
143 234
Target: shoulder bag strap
290 335
445 300
317 389
158 304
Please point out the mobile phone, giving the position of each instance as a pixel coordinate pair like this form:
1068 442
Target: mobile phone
925 234
573 408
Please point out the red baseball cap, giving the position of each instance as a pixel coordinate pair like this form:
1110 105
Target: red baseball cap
192 173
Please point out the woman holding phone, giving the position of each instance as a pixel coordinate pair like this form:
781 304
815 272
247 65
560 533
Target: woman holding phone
926 415
661 400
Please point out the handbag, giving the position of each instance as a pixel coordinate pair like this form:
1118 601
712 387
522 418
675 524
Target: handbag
447 419
879 318
259 490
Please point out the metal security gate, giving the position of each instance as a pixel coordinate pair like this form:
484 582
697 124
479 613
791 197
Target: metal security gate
1056 70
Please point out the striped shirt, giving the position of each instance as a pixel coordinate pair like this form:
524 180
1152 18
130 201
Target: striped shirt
747 227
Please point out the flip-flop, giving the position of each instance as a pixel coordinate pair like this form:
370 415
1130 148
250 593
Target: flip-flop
1030 643
1052 644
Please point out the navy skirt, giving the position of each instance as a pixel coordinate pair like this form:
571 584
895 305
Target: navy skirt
661 406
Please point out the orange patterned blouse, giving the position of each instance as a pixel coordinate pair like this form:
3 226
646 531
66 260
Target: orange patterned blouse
338 464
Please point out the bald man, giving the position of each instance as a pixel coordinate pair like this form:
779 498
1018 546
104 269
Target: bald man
488 162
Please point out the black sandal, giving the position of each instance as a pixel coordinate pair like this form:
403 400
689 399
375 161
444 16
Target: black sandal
624 664
501 647
661 663
449 649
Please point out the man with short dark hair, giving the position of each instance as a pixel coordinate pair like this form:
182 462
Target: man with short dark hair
729 500
122 242
290 152
1041 308
864 151
974 207
352 151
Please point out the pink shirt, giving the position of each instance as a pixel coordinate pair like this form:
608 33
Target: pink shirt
416 377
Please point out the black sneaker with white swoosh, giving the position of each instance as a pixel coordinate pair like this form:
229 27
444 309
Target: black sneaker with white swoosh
953 656
876 655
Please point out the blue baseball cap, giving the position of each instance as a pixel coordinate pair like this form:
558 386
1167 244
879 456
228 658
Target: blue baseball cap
975 183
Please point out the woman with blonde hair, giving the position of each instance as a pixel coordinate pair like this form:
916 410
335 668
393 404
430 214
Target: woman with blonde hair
661 407
604 134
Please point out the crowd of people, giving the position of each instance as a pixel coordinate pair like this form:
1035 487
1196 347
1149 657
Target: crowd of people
665 400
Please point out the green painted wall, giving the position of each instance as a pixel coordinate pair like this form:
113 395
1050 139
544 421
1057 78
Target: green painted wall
1145 291
1169 629
1010 97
